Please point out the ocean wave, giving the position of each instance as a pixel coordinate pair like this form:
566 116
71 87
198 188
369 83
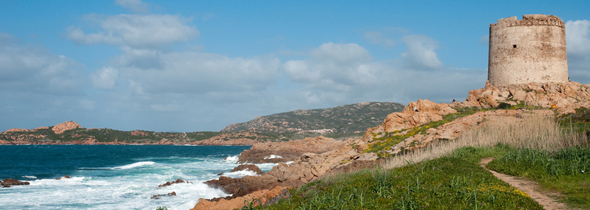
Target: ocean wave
231 159
135 165
29 177
60 182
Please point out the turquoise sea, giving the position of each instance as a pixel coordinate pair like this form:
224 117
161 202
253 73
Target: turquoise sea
113 176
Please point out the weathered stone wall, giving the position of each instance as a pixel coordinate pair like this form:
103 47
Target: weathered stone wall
528 50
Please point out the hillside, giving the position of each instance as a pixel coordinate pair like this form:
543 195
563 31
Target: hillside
345 119
72 133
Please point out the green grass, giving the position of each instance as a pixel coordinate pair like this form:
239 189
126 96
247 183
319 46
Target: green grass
453 182
578 121
566 171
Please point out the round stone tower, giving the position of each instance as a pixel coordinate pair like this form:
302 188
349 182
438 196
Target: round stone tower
527 50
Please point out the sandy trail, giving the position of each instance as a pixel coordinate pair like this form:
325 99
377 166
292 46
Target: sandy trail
530 187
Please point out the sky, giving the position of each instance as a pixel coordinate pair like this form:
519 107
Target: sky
191 65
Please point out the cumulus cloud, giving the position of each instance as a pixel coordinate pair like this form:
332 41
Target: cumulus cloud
35 70
134 5
578 49
201 73
332 66
104 78
420 52
347 73
137 31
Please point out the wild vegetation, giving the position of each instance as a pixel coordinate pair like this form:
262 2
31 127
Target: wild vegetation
346 119
447 175
106 135
337 122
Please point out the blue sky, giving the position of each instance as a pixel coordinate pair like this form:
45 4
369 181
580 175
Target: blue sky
201 65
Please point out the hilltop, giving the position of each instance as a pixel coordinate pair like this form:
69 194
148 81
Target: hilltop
345 119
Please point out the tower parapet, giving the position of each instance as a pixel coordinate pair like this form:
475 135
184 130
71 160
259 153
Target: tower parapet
528 50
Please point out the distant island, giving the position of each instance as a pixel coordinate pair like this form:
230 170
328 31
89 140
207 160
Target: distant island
337 122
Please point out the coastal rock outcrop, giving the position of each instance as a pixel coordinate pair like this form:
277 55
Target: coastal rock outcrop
249 167
10 182
158 196
414 114
563 97
178 181
275 152
65 177
242 186
257 198
68 125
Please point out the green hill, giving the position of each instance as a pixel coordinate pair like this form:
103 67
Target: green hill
345 119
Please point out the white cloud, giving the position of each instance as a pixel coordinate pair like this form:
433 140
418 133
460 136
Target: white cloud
134 5
578 49
104 78
201 73
420 52
35 70
346 73
332 66
377 37
343 54
137 31
578 37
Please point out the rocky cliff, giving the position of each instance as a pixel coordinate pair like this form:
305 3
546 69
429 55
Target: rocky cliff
420 124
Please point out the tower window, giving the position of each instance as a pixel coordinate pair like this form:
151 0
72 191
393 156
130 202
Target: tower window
513 46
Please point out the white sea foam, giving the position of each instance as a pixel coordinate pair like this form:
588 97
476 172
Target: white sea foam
135 165
29 177
242 173
124 187
266 166
272 157
231 159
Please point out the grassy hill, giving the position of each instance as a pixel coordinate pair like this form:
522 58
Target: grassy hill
554 152
346 119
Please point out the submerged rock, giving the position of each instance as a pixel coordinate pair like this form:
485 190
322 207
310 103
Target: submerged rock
158 196
173 182
9 182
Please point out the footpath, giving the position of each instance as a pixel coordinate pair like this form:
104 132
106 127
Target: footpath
527 186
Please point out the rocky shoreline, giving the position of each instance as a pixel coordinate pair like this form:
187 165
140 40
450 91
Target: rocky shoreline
351 155
306 160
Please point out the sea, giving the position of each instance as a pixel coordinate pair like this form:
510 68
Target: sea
114 176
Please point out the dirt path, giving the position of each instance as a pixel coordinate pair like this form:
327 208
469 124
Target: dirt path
527 186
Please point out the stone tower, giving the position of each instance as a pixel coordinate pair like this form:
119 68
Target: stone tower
527 50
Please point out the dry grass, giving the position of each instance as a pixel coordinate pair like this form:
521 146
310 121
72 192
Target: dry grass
535 132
